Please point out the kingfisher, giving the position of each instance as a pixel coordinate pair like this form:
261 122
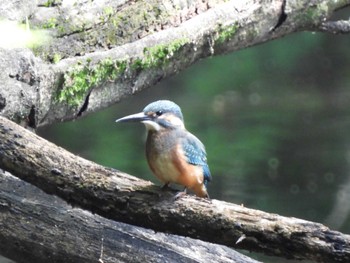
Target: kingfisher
174 154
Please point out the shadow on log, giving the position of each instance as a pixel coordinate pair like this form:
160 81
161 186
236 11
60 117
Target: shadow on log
121 197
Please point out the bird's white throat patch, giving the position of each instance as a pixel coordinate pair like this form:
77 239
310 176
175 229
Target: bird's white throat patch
151 125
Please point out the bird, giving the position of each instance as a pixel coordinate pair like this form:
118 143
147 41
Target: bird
174 155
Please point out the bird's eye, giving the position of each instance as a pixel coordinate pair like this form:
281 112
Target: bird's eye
158 113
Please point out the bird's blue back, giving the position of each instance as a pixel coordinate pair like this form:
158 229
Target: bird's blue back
195 153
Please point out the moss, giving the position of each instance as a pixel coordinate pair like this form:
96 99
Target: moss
313 15
51 3
108 11
56 58
50 23
79 79
112 27
226 33
108 16
159 55
132 22
157 11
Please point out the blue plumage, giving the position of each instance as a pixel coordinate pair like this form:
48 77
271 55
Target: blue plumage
195 153
163 106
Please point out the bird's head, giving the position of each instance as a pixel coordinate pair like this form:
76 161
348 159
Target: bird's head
158 115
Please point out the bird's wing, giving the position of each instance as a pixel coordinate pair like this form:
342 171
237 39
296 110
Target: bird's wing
195 153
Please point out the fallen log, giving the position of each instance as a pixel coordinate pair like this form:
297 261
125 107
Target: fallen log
37 227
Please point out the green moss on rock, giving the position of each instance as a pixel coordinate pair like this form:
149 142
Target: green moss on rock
226 33
313 15
159 55
50 23
82 77
79 79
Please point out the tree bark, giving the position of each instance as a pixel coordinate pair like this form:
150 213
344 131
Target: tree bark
36 227
99 54
124 198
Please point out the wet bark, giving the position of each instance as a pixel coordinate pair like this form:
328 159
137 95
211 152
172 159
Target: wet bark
124 198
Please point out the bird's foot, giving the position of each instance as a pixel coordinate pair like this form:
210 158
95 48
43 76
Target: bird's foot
207 199
166 190
165 186
180 194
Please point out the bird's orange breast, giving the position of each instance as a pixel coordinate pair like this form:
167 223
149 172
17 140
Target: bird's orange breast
169 163
163 168
190 175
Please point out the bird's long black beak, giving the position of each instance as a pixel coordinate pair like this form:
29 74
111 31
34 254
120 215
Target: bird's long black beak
138 117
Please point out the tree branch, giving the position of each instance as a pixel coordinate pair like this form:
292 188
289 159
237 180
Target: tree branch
118 50
336 27
48 229
121 197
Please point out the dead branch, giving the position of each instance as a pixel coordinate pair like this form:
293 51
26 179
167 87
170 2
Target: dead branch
36 227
